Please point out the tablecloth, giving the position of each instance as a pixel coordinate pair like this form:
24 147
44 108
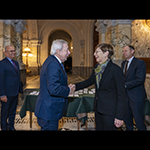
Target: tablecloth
76 107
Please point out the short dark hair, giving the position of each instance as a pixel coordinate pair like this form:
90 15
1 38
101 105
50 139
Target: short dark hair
106 47
131 47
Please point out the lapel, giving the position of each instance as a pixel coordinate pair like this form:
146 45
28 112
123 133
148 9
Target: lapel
105 73
11 65
130 67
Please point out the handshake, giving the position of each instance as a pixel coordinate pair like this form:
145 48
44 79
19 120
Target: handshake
72 88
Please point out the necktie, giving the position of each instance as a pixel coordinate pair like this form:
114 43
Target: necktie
126 66
63 68
14 65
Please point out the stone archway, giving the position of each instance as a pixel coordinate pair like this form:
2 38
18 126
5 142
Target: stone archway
81 32
59 34
68 27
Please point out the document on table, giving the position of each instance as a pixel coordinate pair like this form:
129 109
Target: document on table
34 93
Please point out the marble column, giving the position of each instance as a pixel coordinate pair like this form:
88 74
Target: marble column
19 27
82 64
1 39
13 30
7 35
122 37
116 32
101 28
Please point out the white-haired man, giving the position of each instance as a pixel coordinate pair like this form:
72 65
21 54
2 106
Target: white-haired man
54 90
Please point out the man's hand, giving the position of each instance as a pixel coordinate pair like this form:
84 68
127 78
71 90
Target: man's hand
4 98
118 123
72 88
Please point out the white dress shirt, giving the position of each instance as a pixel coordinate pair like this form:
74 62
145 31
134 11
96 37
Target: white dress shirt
129 62
58 59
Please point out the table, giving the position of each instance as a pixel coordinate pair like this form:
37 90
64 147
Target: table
76 107
28 105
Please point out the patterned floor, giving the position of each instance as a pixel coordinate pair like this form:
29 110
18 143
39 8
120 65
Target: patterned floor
65 124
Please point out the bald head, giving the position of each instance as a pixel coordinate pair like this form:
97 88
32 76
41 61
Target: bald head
10 51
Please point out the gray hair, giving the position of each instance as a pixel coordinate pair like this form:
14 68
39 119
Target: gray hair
57 44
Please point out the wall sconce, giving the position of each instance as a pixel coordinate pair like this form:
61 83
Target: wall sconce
27 53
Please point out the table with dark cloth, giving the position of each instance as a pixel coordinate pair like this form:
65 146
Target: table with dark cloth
76 107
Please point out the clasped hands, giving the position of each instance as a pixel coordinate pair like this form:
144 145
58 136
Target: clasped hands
72 88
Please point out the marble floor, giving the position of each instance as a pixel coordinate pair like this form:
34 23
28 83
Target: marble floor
65 124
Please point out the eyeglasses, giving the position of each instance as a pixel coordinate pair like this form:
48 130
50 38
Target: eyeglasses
12 51
96 52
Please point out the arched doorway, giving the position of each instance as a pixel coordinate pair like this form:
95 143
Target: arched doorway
81 33
61 34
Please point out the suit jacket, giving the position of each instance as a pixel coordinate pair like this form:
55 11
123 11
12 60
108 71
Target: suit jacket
52 99
134 80
110 98
10 82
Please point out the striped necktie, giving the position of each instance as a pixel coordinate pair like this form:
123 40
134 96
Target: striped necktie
14 65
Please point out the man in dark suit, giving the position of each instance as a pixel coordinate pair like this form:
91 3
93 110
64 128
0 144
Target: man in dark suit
10 86
52 100
110 97
135 72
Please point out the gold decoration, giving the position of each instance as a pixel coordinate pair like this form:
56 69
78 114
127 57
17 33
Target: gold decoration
147 21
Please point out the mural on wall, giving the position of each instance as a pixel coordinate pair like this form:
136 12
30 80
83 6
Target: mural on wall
141 38
119 37
122 39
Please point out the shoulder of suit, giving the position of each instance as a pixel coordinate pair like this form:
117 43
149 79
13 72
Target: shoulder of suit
115 67
3 60
51 60
137 60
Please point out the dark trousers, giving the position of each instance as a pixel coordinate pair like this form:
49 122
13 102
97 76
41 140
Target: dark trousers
135 110
8 111
47 124
104 122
